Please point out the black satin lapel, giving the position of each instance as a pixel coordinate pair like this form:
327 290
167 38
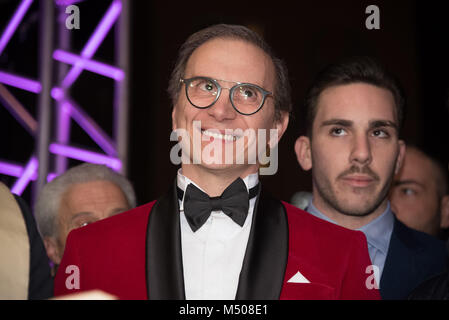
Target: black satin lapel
165 280
266 254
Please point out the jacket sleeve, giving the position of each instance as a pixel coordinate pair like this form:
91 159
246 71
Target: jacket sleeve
359 282
68 276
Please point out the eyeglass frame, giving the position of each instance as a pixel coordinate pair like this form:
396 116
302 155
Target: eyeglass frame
265 93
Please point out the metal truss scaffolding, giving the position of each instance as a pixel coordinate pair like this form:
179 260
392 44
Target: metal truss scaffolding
54 96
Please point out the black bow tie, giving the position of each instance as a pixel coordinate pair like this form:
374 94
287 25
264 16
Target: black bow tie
234 202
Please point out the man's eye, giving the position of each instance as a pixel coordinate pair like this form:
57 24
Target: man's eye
338 132
380 134
207 86
83 224
247 93
408 192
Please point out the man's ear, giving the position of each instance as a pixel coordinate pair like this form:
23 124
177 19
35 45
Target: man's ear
401 157
304 152
281 126
52 248
444 221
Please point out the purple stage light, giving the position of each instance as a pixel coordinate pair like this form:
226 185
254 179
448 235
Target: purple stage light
13 23
13 170
61 3
85 155
102 29
27 175
94 66
91 127
51 176
57 93
95 40
10 169
20 82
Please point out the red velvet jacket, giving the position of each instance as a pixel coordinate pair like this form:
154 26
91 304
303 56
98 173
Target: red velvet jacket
137 255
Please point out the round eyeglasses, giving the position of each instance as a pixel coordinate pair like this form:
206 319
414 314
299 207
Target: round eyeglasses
246 98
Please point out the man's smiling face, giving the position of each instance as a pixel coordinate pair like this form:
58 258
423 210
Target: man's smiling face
233 61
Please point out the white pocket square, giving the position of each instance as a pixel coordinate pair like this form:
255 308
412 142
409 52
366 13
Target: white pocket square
298 278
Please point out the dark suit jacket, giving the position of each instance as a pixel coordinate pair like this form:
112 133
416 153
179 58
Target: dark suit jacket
436 288
137 255
412 258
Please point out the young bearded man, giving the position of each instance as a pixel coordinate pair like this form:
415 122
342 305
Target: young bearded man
355 112
216 234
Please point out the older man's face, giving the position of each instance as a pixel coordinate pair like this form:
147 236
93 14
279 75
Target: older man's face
84 203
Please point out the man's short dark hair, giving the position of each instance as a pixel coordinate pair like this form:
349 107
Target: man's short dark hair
282 90
353 70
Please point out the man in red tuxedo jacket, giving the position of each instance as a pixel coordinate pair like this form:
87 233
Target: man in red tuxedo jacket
217 234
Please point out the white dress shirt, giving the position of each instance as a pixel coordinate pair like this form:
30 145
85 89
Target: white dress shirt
213 256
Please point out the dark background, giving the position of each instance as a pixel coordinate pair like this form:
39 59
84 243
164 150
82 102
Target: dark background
412 43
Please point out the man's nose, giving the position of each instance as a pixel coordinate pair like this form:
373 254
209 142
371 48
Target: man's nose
222 109
361 150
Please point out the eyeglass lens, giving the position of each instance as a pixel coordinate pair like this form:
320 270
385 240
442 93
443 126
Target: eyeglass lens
203 92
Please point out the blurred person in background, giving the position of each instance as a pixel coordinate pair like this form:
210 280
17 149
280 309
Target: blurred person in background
419 193
80 196
24 265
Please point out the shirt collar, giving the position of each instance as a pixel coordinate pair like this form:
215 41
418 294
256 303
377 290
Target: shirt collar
378 232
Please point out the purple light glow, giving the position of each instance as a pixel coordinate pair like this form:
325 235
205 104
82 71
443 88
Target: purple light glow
61 3
13 170
10 169
85 155
27 175
20 82
91 127
13 23
51 176
94 66
57 93
95 40
64 122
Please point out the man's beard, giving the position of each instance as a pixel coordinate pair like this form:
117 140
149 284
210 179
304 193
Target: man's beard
327 193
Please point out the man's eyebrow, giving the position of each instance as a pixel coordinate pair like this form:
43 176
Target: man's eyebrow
409 181
383 123
339 122
117 210
79 214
